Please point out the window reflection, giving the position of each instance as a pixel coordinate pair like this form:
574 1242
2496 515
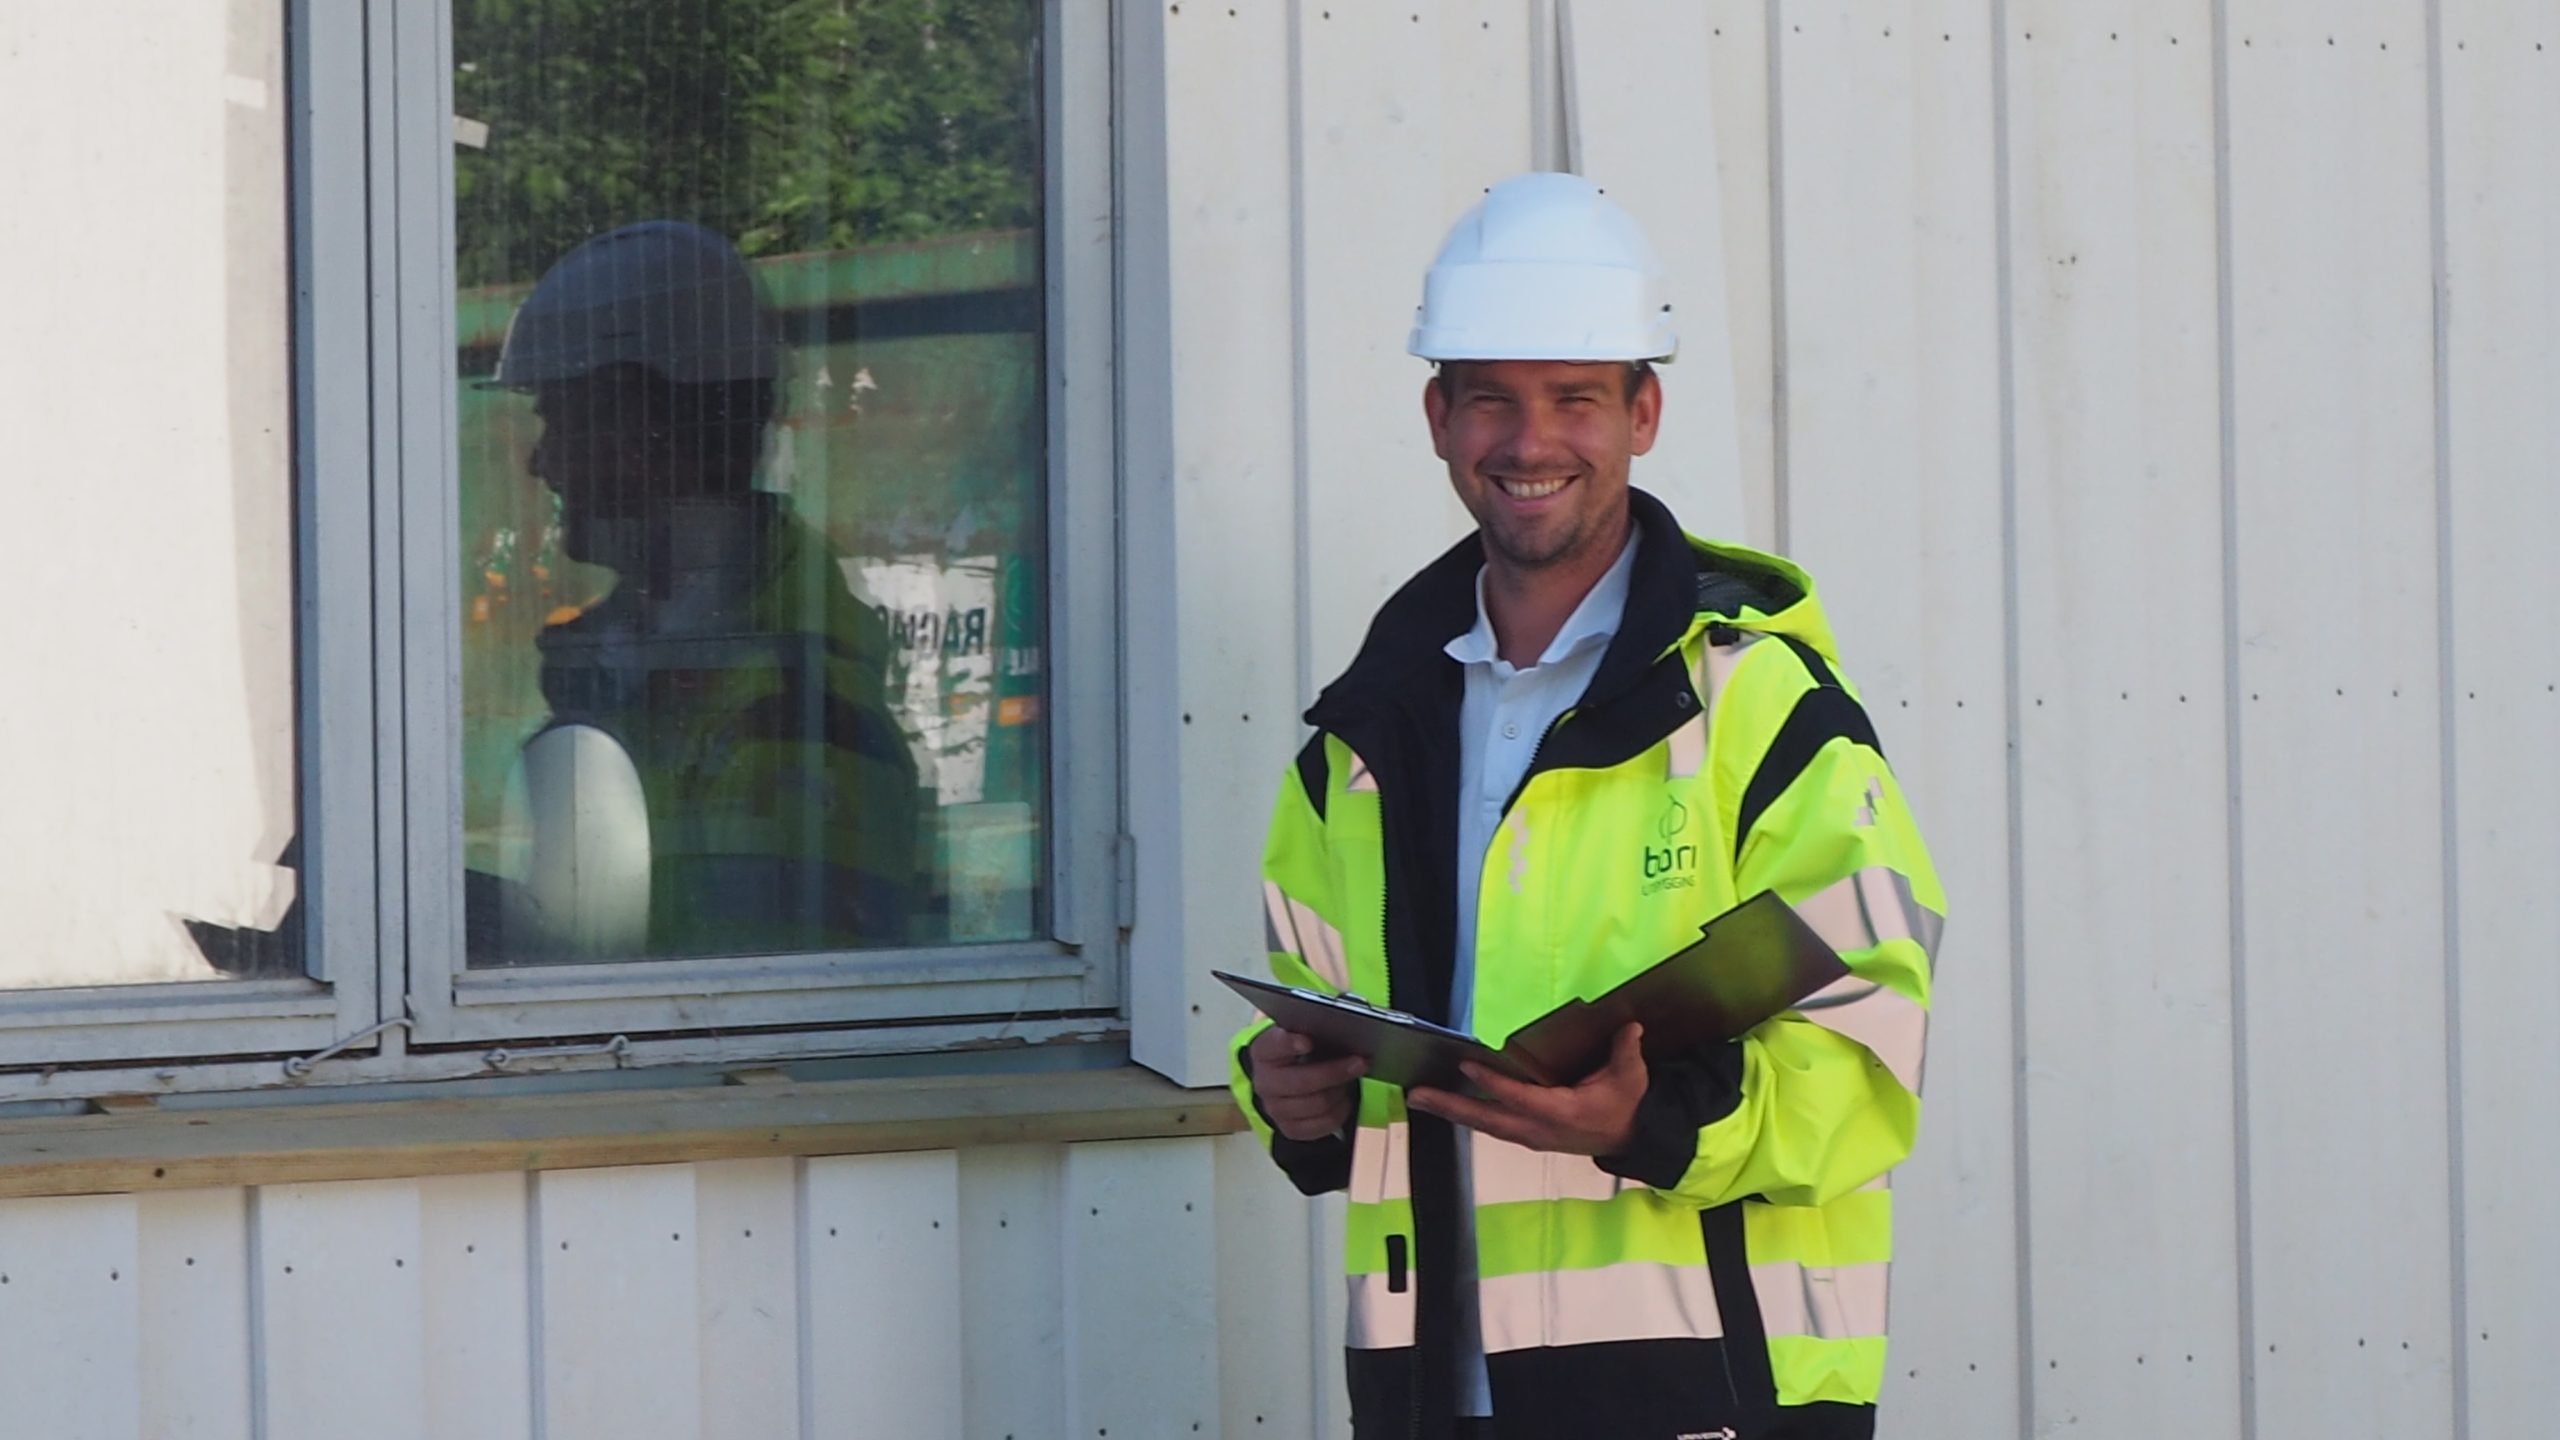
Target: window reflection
751 477
719 772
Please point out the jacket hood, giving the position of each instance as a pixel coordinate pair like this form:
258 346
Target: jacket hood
1786 605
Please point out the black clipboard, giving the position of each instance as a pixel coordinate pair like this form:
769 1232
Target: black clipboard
1750 963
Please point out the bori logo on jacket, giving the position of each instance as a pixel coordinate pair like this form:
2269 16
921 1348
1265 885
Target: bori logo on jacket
1672 865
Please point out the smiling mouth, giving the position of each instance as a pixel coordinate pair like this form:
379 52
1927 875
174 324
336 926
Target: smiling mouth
1519 488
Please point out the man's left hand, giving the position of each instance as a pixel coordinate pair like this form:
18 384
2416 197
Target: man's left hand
1594 1117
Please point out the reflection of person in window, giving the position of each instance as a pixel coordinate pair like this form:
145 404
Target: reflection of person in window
730 663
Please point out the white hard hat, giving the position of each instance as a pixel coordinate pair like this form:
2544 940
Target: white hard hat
672 297
1545 267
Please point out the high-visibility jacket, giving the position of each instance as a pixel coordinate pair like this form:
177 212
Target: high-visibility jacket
781 793
1728 1269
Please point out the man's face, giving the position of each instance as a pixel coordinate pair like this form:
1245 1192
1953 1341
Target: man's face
595 453
1539 451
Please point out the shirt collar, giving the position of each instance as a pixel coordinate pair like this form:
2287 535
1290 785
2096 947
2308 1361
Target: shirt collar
1593 622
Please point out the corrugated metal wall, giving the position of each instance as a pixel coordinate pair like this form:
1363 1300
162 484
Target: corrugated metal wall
1106 1289
2164 392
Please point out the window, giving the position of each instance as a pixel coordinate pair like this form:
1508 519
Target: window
647 585
159 888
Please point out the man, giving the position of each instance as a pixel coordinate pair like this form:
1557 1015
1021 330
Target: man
1564 745
776 796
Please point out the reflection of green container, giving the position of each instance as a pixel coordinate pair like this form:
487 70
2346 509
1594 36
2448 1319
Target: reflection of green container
913 434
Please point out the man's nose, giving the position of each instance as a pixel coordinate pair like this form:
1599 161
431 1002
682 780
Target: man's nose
1535 440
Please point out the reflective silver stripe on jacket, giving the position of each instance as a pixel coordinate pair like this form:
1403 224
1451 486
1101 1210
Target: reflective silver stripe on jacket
1859 913
1380 1318
1632 1300
1290 928
1826 1302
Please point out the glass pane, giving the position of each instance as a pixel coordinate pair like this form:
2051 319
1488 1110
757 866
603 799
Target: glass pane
146 537
752 451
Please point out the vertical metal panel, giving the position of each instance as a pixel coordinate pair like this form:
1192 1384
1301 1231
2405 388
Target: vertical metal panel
476 1302
2340 845
417 345
1373 187
333 442
1141 1277
1738 87
1270 1377
1331 1302
881 1236
1894 499
1012 1365
2500 187
749 1282
70 1334
1488 108
617 1328
1084 611
1209 465
340 1322
2119 544
191 1266
1642 126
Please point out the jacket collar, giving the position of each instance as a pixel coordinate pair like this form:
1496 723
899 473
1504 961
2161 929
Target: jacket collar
1407 639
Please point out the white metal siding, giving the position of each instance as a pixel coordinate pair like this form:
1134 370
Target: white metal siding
2163 394
1039 1292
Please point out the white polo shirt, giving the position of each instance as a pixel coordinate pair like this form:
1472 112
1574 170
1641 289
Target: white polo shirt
1505 715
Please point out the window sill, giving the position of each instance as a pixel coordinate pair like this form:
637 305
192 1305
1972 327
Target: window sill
184 1149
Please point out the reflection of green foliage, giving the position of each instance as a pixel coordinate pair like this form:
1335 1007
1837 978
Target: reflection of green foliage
788 125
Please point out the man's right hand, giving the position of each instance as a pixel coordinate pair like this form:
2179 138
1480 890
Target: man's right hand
1304 1099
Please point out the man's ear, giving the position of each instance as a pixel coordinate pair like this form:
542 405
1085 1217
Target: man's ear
1645 414
1435 409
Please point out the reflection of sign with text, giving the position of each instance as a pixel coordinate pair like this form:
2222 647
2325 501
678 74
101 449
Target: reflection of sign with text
942 621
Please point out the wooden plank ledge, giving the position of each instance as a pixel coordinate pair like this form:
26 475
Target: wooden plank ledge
384 1139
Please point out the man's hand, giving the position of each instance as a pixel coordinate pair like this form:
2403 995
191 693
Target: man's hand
1305 1099
1595 1117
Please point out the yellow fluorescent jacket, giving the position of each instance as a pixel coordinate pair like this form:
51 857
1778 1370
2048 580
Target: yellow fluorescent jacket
1734 758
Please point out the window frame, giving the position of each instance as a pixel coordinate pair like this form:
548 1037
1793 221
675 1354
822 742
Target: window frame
376 533
1073 970
325 108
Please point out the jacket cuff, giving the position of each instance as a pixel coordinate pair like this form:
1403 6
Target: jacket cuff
1681 1098
1316 1167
